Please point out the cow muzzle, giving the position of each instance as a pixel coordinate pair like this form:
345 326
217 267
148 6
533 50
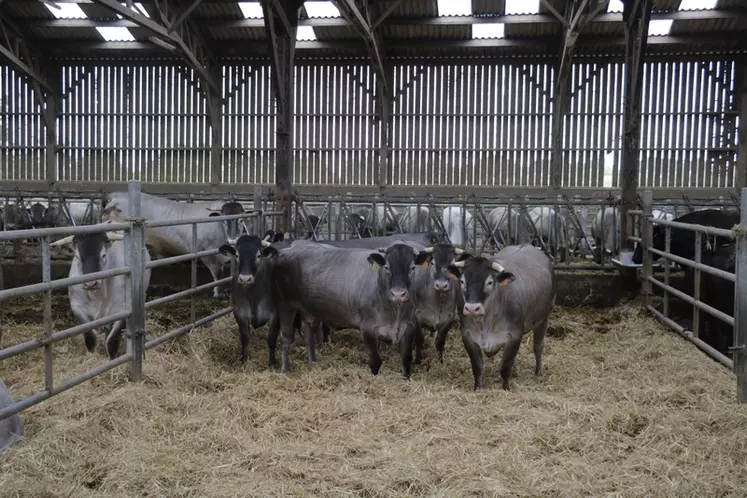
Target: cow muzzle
246 280
399 295
474 309
91 286
441 285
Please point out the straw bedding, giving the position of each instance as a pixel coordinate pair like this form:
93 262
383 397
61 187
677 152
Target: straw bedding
625 407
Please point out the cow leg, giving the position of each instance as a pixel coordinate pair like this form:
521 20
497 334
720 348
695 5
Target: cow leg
272 342
90 336
382 349
245 332
475 358
538 342
374 360
419 342
311 329
112 339
507 361
214 266
287 334
441 339
325 334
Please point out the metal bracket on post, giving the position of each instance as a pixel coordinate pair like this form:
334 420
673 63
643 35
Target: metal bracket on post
740 304
136 322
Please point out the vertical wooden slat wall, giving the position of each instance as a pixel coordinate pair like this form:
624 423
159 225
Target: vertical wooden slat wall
472 123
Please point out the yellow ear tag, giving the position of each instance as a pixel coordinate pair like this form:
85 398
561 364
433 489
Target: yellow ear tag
375 266
268 256
453 277
424 264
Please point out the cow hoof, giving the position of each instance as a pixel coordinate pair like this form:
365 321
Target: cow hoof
478 389
539 372
375 369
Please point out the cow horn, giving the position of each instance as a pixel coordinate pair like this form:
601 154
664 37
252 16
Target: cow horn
63 242
382 249
214 210
497 267
428 250
266 238
458 264
112 236
265 243
458 251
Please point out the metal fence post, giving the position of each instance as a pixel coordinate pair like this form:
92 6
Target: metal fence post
136 323
740 305
647 237
259 220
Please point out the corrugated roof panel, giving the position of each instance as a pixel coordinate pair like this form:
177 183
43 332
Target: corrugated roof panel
488 7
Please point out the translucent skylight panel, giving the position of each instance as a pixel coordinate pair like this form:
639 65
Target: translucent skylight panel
615 6
698 4
115 34
488 30
522 7
251 10
454 7
659 27
67 11
321 9
305 33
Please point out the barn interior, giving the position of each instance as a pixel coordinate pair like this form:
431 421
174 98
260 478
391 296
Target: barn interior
310 113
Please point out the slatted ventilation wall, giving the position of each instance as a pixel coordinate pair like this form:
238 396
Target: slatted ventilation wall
454 124
21 129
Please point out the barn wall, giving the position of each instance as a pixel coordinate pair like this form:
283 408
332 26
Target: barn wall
473 123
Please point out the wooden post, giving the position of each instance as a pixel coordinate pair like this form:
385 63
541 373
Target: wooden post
215 110
742 107
636 15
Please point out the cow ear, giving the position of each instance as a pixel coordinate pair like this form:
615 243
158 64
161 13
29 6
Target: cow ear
423 259
269 252
227 250
452 272
464 256
376 260
506 278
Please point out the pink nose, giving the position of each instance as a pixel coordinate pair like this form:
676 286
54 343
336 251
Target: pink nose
399 296
91 285
441 285
474 309
246 279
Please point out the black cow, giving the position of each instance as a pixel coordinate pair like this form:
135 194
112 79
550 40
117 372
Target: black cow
718 293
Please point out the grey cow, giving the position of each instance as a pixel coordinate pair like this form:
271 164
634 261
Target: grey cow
505 297
11 428
351 288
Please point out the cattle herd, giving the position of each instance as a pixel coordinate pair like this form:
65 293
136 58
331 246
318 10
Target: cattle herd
392 288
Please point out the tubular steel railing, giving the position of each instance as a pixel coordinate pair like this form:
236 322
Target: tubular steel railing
135 302
738 321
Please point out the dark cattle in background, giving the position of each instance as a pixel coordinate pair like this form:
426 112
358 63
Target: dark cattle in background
351 288
505 297
16 217
37 212
718 293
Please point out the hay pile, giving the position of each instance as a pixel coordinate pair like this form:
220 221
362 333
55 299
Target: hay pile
625 407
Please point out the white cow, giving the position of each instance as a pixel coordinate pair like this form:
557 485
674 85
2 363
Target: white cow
175 240
11 428
456 224
91 301
414 219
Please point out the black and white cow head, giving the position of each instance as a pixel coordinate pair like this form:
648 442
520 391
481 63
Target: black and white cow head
249 252
396 266
90 253
479 278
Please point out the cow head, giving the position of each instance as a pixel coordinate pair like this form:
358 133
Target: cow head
359 221
37 211
16 217
248 252
232 229
479 278
396 266
90 253
443 255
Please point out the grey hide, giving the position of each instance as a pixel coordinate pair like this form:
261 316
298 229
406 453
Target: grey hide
342 289
423 239
606 231
11 428
511 310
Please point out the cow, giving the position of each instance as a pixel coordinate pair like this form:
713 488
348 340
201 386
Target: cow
551 229
363 222
718 293
682 242
424 239
98 299
435 295
176 240
37 211
505 225
456 220
414 219
251 289
308 231
505 297
351 288
606 233
16 217
232 229
82 213
578 242
11 428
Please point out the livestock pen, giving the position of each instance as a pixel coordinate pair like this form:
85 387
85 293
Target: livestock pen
489 123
